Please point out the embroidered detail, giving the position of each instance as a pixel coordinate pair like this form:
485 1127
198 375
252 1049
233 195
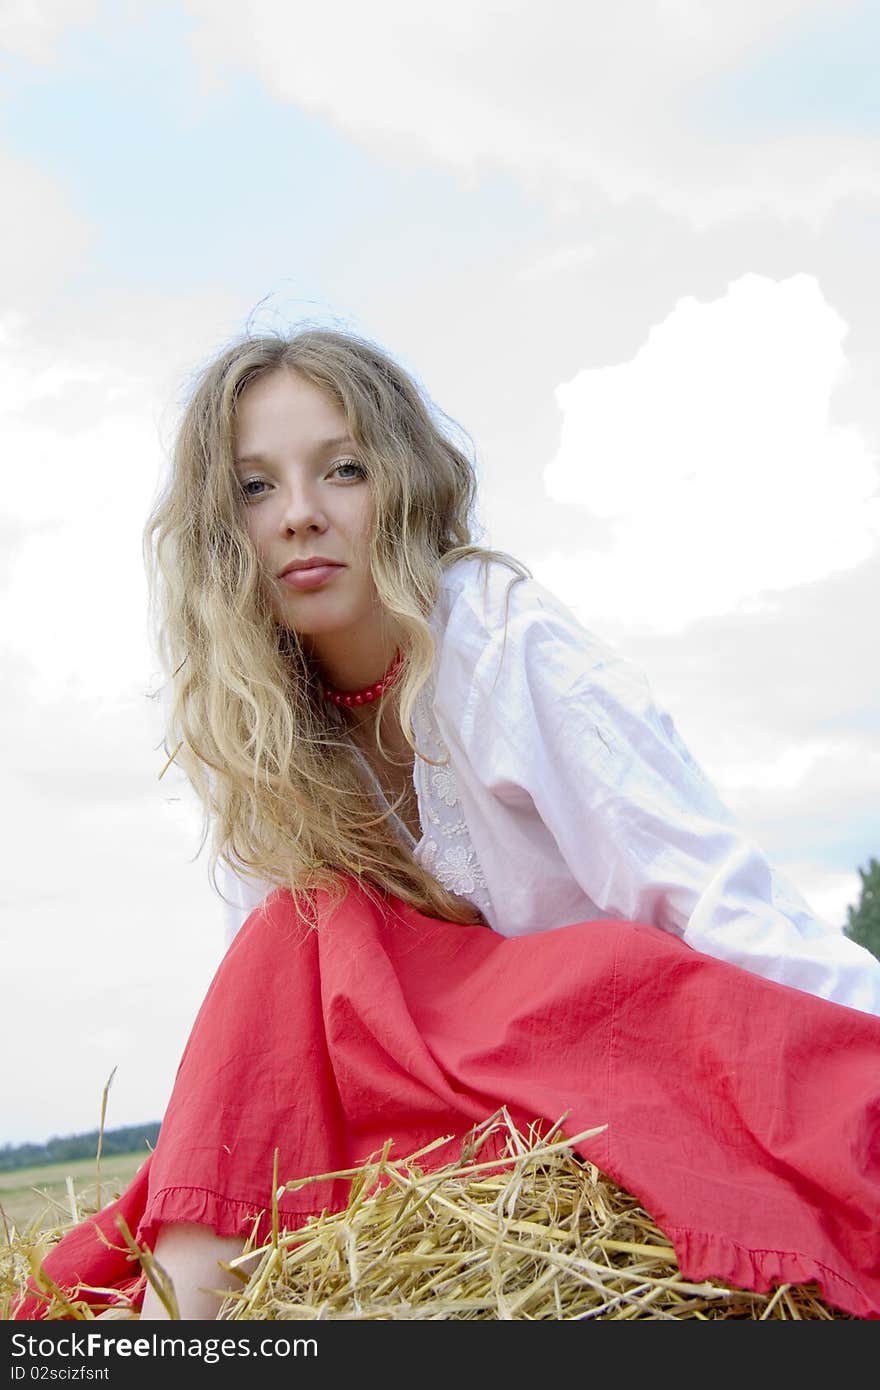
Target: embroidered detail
443 783
457 869
446 850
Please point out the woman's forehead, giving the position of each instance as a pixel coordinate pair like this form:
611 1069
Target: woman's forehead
283 405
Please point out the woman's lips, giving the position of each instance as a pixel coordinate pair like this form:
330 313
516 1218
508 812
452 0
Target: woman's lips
311 578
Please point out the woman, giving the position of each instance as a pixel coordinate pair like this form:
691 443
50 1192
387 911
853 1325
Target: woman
483 868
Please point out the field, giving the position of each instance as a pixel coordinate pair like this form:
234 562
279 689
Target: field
39 1194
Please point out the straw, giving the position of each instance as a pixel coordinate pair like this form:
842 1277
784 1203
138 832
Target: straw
532 1232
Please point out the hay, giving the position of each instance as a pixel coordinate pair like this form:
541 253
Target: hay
531 1233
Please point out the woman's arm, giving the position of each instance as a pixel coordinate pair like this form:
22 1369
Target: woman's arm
189 1255
558 715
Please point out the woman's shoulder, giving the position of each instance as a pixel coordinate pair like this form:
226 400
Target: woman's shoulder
486 597
508 645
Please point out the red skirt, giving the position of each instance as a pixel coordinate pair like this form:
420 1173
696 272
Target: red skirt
743 1115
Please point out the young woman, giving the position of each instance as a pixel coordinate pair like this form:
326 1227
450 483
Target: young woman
479 866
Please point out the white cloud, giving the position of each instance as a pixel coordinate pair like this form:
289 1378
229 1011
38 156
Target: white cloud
783 769
74 605
43 238
31 28
577 98
812 784
713 458
86 414
561 259
117 931
121 936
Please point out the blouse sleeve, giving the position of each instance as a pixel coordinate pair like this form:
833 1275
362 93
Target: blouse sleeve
239 896
557 717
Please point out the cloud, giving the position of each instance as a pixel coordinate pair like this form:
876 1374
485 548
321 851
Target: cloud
117 930
43 238
581 98
87 408
31 29
560 260
713 459
74 604
119 937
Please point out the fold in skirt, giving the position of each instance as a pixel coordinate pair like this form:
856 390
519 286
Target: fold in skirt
742 1114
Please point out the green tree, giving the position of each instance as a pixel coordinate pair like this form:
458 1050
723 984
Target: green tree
863 922
61 1149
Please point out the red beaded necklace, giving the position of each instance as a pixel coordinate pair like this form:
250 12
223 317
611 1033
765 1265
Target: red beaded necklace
369 693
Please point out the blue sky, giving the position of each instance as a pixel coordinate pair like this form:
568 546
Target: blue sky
631 255
823 74
186 186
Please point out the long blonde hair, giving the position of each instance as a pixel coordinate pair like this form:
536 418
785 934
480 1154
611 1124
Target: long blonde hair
284 797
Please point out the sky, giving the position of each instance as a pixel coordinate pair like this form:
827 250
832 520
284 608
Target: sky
628 250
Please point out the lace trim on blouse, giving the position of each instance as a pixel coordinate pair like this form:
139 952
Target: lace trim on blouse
445 849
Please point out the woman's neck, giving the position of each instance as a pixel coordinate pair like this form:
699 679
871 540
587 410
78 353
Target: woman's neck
350 661
361 722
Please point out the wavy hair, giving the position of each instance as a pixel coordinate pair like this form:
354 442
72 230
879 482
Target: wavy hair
284 797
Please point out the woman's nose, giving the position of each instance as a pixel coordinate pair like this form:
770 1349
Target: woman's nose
301 511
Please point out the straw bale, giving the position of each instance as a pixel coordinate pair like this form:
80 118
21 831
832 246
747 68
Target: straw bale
531 1232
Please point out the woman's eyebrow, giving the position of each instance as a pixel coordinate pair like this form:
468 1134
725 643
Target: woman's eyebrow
322 446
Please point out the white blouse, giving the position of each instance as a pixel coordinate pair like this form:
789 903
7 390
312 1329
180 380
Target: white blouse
567 795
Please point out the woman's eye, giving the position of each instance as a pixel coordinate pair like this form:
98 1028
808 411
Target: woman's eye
251 487
360 471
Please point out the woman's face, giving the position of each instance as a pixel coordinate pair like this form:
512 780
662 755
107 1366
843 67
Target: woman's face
305 496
